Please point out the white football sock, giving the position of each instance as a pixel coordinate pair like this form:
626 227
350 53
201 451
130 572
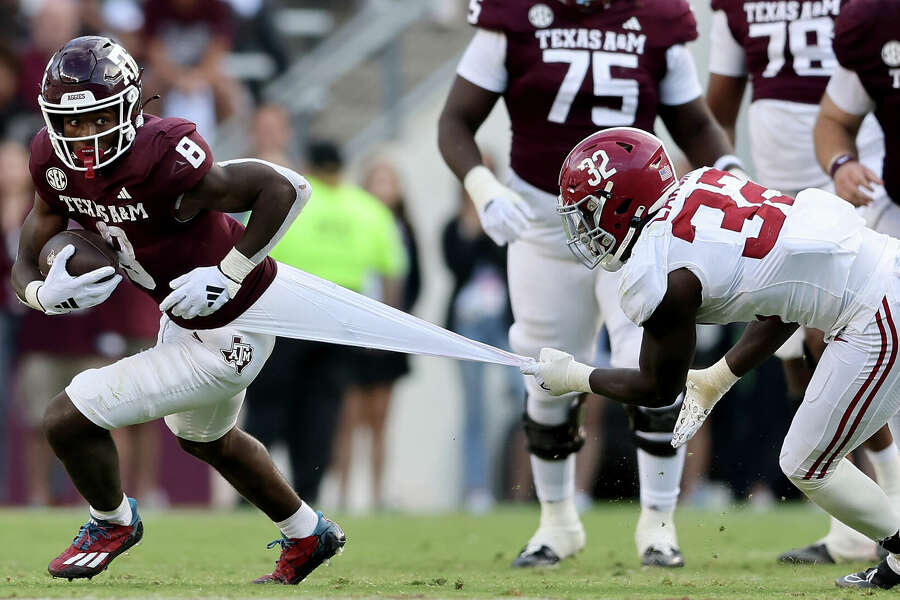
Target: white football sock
845 543
660 479
121 515
886 463
301 524
655 528
554 480
852 497
893 561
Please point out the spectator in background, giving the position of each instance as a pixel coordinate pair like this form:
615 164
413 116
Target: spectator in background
272 135
345 235
52 25
478 309
367 400
16 196
186 42
14 121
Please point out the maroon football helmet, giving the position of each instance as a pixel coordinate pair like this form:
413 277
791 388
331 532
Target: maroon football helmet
609 184
88 74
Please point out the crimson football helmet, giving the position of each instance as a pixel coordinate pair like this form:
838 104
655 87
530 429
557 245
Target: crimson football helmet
609 184
87 74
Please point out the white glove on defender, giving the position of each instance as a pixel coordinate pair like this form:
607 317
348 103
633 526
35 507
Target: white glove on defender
199 293
503 214
705 387
61 293
559 373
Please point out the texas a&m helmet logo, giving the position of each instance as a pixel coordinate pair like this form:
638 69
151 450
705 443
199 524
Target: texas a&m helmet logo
239 355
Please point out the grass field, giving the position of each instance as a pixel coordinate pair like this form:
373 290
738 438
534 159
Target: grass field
198 554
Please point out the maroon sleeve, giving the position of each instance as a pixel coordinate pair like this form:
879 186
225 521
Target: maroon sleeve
677 22
490 14
853 34
181 157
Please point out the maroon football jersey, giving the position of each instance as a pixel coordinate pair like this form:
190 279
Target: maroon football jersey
132 203
572 72
867 41
787 45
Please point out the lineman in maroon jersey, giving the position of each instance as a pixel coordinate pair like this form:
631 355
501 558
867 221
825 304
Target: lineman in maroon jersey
565 69
866 80
150 187
785 52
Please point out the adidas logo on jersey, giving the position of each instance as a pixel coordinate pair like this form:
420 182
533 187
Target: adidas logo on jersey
632 24
124 195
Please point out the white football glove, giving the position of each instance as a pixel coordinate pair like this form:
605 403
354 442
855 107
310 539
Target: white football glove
705 387
503 214
199 293
559 373
62 293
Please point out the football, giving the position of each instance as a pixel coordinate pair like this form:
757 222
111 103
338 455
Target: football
91 252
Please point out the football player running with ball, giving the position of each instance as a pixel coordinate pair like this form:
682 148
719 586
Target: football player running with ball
566 68
714 248
150 188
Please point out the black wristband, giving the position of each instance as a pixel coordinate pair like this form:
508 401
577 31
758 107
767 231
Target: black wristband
838 162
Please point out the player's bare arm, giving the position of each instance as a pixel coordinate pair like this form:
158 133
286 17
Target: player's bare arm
503 213
274 196
758 342
466 108
723 96
667 350
698 135
835 134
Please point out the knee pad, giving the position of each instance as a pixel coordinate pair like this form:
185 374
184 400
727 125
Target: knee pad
555 442
651 428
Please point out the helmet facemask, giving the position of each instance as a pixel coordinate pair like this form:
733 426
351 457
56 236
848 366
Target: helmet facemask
586 239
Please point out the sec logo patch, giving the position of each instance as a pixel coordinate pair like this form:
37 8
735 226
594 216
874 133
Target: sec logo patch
57 178
890 53
540 16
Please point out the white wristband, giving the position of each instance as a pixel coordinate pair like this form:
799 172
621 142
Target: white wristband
578 377
236 266
721 376
31 298
482 186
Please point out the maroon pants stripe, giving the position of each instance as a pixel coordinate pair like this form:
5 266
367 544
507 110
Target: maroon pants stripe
865 406
859 394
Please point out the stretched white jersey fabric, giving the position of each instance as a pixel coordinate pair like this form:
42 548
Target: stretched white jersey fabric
809 260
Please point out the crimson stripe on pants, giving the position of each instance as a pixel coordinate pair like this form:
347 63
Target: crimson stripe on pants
865 406
853 403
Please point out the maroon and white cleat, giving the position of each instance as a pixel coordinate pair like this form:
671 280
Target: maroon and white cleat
96 545
300 556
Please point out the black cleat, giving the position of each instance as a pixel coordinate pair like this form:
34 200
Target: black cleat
668 557
814 554
881 577
542 557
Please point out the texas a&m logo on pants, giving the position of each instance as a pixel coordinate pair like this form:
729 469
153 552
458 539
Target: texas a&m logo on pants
239 355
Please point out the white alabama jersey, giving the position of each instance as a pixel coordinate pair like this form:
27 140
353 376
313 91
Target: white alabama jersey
809 260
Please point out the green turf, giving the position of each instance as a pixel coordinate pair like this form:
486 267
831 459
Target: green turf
193 554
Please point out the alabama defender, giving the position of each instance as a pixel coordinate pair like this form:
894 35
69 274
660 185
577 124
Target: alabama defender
785 52
150 187
715 248
566 68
